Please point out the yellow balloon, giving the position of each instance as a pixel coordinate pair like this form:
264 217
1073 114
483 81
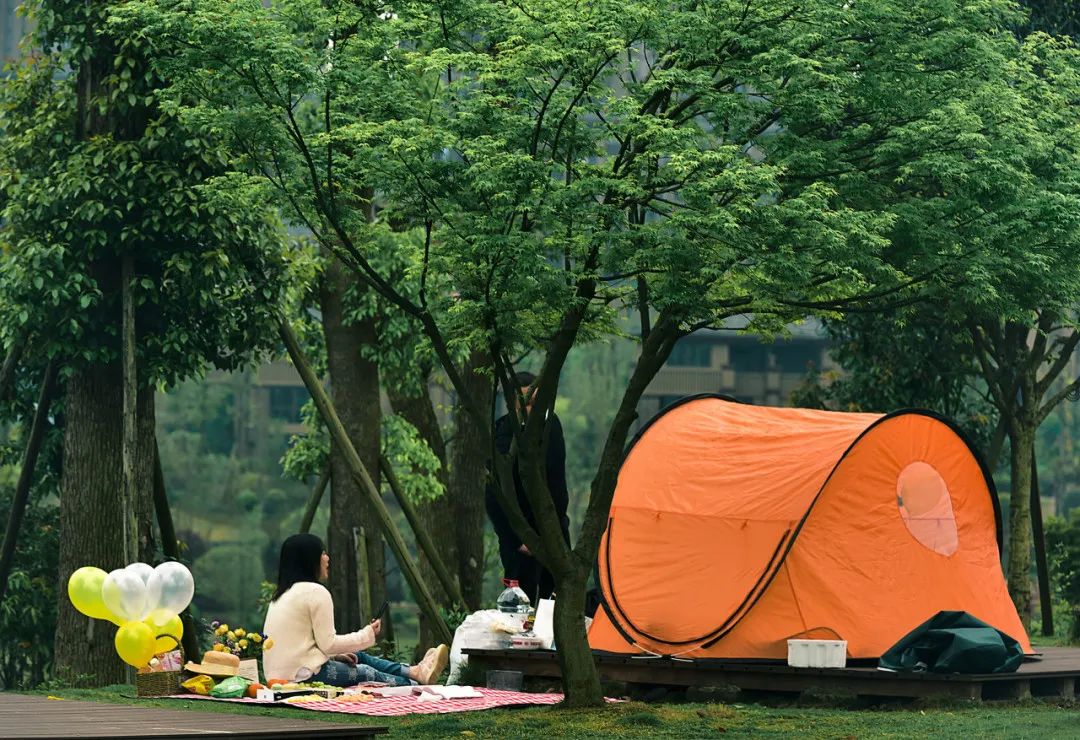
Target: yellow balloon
84 590
134 643
166 626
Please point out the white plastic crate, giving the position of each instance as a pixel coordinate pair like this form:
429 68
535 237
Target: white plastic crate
817 653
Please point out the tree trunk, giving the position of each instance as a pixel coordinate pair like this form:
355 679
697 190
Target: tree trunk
91 518
433 515
383 517
1046 599
1021 442
26 474
581 678
170 546
469 453
314 500
354 388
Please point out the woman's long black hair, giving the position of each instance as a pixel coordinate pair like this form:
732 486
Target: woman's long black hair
301 558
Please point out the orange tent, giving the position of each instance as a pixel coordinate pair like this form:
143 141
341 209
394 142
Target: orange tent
736 527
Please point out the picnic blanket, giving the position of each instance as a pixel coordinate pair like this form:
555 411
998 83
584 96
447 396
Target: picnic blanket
398 706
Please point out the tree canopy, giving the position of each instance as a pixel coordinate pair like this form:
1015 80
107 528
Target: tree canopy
209 261
561 162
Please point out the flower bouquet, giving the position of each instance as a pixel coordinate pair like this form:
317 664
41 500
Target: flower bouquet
248 646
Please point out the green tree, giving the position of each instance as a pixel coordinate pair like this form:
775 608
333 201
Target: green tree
1058 17
96 176
564 161
29 605
1012 324
908 358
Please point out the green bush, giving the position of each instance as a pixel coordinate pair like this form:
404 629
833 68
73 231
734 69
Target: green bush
1063 552
28 613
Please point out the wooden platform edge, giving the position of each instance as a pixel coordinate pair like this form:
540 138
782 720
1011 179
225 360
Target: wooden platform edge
1053 682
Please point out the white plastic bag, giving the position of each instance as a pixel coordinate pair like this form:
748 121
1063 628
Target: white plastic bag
488 629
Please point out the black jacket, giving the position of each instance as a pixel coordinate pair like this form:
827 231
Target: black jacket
556 480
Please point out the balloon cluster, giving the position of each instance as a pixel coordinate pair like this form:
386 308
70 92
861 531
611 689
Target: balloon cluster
144 601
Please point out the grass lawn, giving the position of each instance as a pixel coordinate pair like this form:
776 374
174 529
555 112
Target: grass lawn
634 719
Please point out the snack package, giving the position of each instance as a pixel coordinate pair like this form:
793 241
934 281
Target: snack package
231 688
170 661
199 685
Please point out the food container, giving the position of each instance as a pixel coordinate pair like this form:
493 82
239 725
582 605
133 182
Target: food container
817 653
526 642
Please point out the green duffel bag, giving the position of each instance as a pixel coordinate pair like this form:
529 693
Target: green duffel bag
954 642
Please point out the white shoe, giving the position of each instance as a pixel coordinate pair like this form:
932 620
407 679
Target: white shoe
428 670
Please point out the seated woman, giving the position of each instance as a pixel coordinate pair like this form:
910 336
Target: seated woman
306 645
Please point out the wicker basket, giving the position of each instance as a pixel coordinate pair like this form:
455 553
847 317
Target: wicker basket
160 683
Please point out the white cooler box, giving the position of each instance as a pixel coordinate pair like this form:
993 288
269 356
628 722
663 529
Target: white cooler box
817 653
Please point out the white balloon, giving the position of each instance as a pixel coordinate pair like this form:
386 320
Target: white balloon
152 580
177 587
125 595
142 570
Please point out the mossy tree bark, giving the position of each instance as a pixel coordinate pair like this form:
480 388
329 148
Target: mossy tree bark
469 454
354 388
1022 365
93 520
91 516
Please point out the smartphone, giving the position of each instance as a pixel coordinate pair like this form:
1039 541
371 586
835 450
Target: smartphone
381 614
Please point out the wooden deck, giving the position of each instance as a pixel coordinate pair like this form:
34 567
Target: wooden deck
24 716
1056 675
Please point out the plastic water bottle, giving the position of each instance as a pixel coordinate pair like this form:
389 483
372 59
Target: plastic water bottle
513 600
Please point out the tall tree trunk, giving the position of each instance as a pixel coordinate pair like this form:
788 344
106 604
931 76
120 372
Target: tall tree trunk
1046 601
26 473
170 546
469 453
354 388
434 515
91 518
1021 443
581 677
385 520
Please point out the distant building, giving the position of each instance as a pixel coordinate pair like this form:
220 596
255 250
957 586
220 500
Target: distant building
266 407
739 365
713 361
12 28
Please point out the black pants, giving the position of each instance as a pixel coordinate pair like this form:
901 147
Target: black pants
534 579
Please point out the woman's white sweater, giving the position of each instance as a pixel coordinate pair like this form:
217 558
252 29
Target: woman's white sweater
301 624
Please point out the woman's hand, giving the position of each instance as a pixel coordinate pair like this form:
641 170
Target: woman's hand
376 626
349 658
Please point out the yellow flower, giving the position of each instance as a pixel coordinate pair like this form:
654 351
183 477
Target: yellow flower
239 631
269 643
222 629
243 644
218 648
255 637
230 635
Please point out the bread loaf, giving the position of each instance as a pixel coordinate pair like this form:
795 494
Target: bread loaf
226 659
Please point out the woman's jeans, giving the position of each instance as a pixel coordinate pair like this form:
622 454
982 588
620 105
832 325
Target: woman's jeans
367 668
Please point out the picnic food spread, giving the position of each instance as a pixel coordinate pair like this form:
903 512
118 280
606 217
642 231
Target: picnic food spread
235 687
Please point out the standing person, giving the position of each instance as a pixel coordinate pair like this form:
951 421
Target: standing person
300 620
518 562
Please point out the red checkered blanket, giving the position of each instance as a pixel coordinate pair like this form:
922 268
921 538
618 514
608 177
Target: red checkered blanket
397 706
